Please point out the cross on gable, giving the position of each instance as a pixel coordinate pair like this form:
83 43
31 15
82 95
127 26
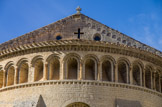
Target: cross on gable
78 33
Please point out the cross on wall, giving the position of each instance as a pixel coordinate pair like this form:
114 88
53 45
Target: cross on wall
79 33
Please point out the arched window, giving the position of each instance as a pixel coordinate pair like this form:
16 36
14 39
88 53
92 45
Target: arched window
106 71
38 73
23 73
10 75
72 68
1 78
136 74
78 104
148 77
97 37
59 37
54 69
90 69
122 72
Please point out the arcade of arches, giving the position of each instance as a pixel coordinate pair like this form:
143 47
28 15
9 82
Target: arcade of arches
88 67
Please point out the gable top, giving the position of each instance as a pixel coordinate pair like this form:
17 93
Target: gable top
66 29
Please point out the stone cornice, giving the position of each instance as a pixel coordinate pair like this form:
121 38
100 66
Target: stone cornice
81 82
81 45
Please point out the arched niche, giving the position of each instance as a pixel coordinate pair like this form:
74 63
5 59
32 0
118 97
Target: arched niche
90 69
38 70
54 69
107 70
78 104
23 72
123 72
148 72
72 68
10 75
136 74
1 78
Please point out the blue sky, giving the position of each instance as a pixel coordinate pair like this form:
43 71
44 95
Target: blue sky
139 19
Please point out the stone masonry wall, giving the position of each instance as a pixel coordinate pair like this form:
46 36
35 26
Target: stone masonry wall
62 94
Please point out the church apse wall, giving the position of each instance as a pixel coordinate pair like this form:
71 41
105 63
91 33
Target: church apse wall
79 62
97 75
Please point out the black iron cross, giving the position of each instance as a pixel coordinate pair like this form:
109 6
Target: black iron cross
78 33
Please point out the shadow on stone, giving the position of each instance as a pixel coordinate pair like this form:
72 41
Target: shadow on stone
127 103
40 102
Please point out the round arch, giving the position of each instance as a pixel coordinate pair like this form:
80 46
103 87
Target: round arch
52 56
23 70
108 64
22 60
78 104
107 57
123 70
94 57
38 64
90 63
125 60
53 67
137 72
71 66
39 57
75 55
148 73
11 63
9 73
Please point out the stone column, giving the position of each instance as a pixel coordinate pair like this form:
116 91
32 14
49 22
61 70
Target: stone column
62 70
144 82
99 71
16 75
112 72
151 80
83 72
116 72
131 74
80 70
160 83
4 78
45 73
154 81
141 78
31 73
96 71
128 74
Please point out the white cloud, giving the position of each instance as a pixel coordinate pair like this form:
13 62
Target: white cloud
149 29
